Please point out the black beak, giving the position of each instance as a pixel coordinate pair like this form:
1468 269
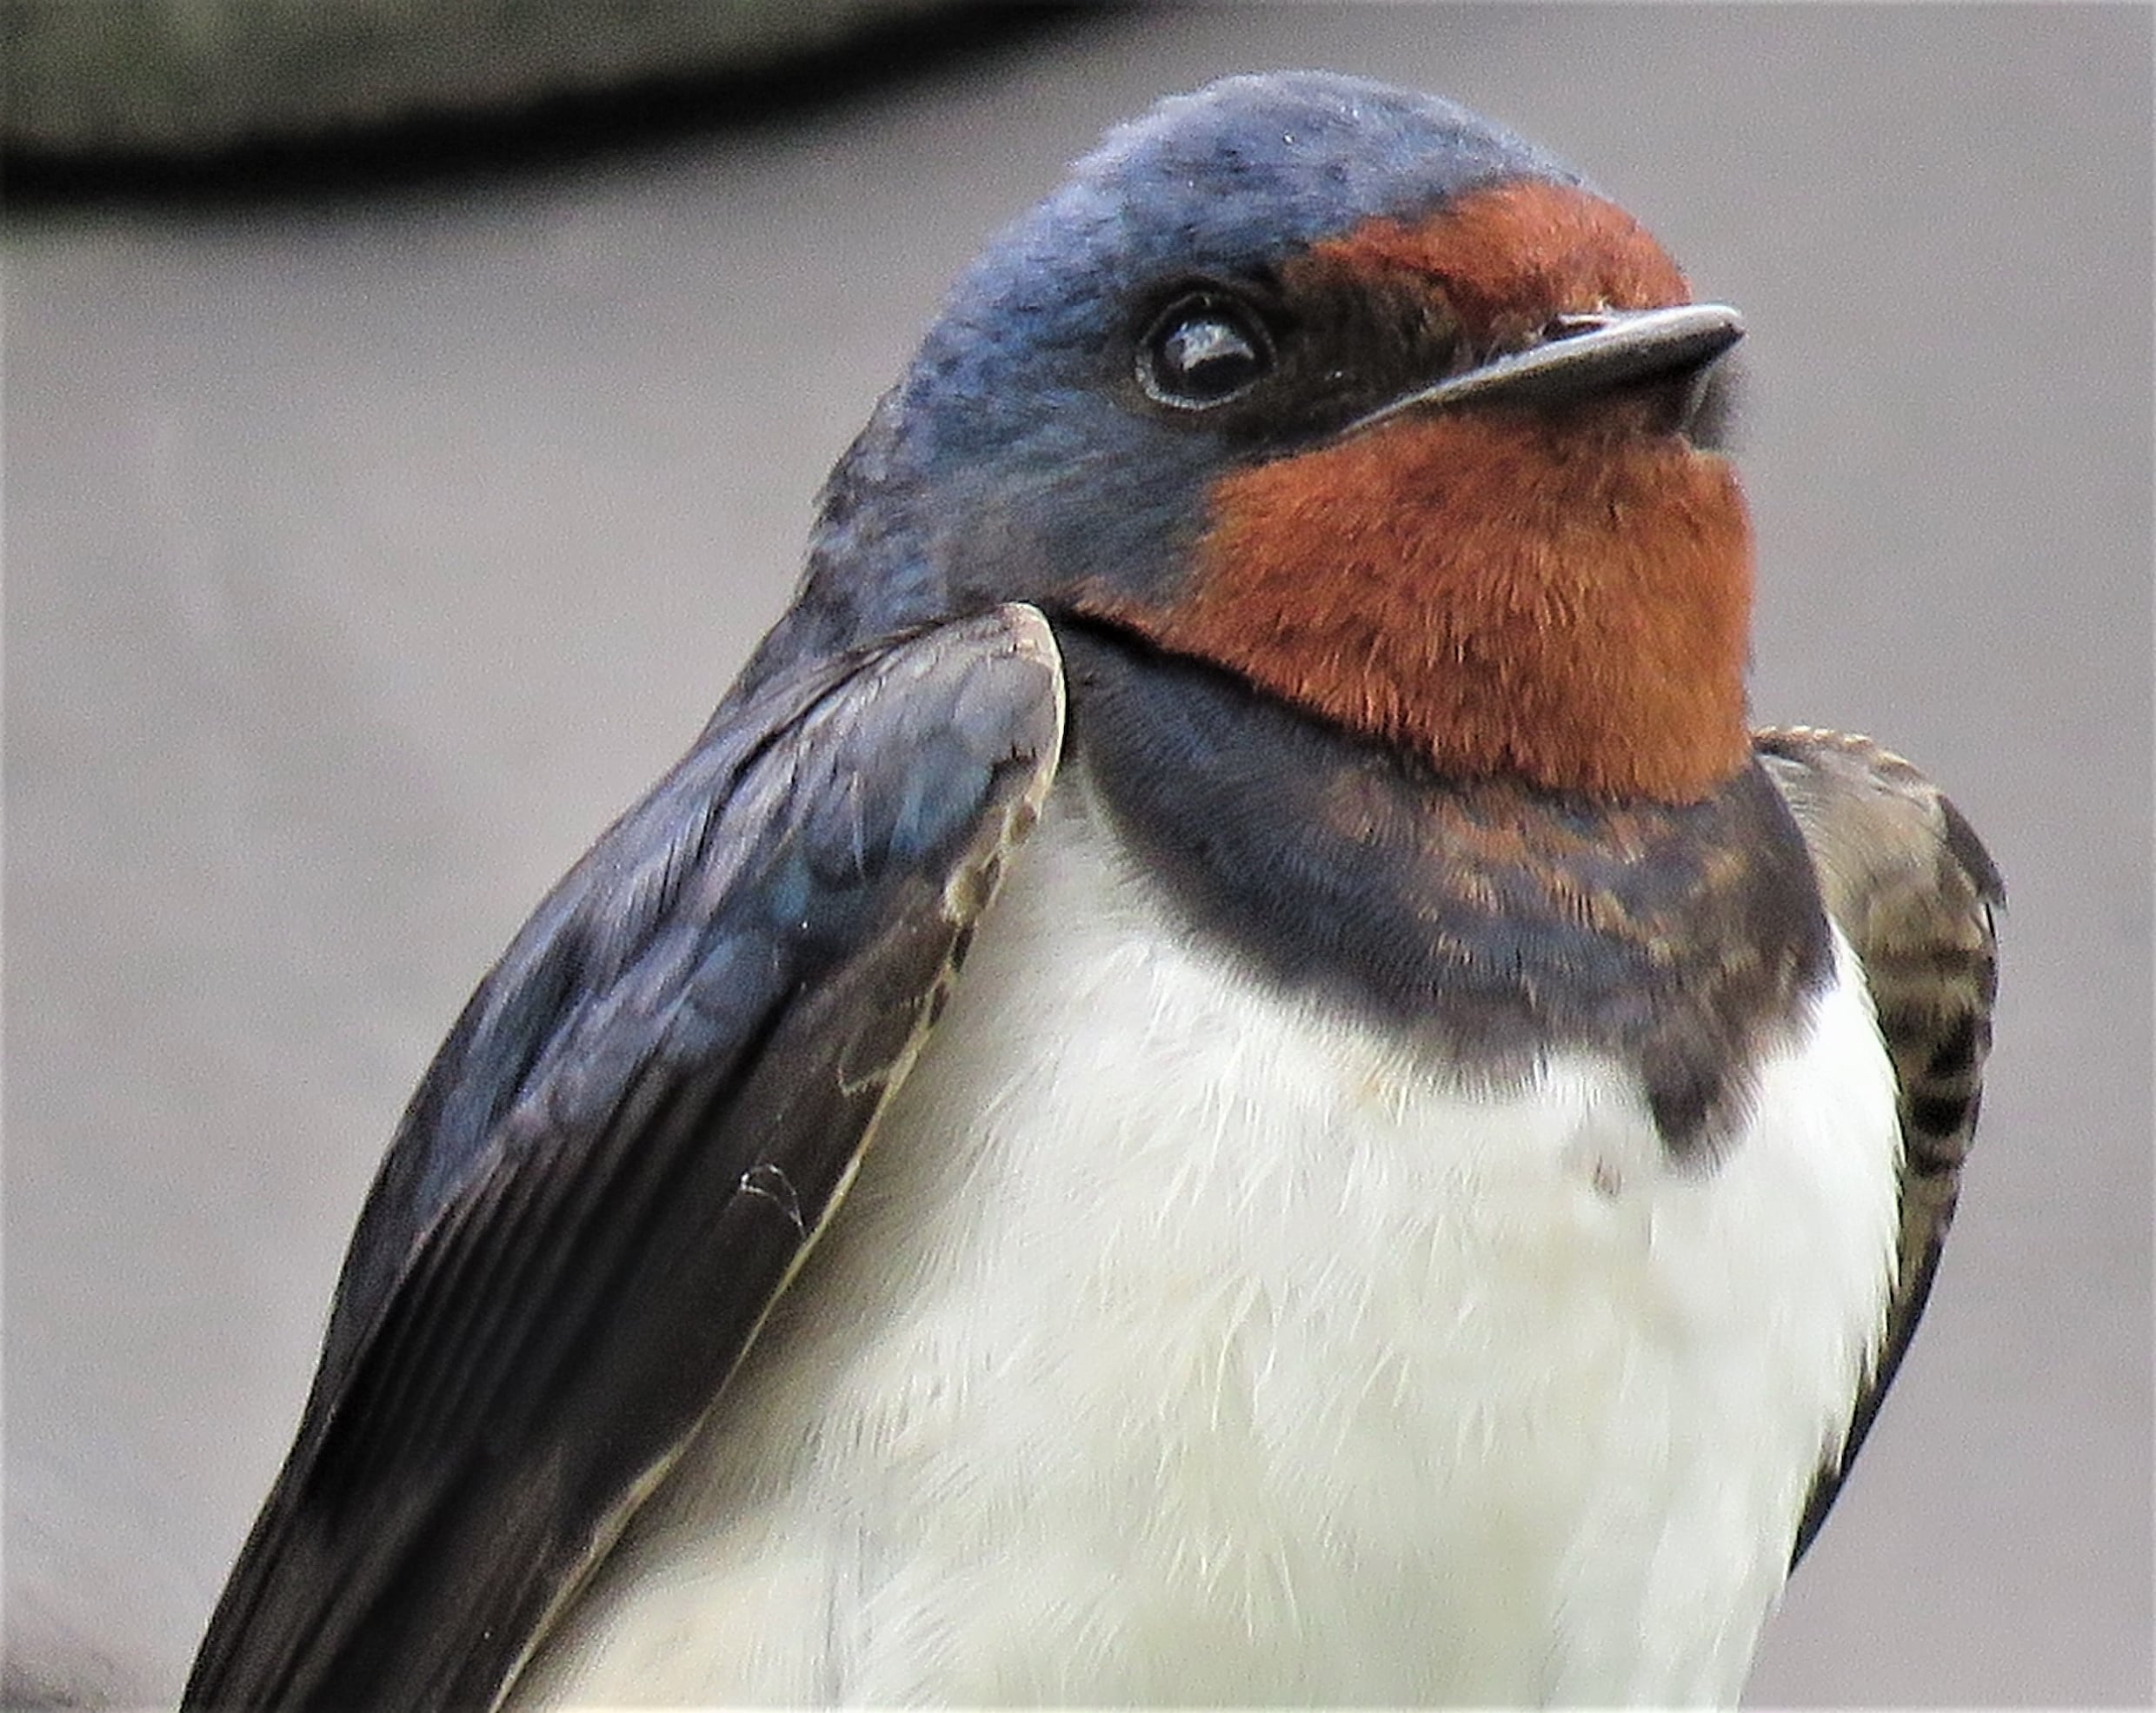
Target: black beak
1582 356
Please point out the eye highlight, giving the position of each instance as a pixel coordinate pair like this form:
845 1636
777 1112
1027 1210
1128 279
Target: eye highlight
1203 350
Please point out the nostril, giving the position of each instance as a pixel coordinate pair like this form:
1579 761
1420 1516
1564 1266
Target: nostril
1570 326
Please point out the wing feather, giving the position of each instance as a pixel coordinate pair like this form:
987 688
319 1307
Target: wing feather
631 1136
1913 887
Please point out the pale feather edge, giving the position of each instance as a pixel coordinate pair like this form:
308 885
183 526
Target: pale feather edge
983 866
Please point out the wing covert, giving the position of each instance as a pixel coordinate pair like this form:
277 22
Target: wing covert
1912 887
630 1139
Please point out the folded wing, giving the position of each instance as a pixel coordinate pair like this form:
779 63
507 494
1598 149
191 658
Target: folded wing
1911 885
627 1144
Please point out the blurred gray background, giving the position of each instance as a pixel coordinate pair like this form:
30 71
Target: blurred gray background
365 554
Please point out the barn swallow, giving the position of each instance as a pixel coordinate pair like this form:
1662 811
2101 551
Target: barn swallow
1227 1075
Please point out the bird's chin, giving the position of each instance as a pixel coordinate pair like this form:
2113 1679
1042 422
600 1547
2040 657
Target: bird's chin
1706 410
1694 410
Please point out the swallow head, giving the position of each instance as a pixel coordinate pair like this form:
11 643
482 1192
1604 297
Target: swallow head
1346 392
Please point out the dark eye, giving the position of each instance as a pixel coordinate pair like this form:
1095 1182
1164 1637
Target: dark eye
1203 350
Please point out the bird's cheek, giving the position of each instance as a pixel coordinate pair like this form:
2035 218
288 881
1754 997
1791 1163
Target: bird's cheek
1419 528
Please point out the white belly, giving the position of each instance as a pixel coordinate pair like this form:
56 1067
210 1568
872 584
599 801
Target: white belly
1177 1343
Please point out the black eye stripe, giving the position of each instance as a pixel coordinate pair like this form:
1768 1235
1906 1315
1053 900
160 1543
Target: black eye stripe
1203 350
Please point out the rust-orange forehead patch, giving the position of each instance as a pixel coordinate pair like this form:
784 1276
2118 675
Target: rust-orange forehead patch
1519 251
